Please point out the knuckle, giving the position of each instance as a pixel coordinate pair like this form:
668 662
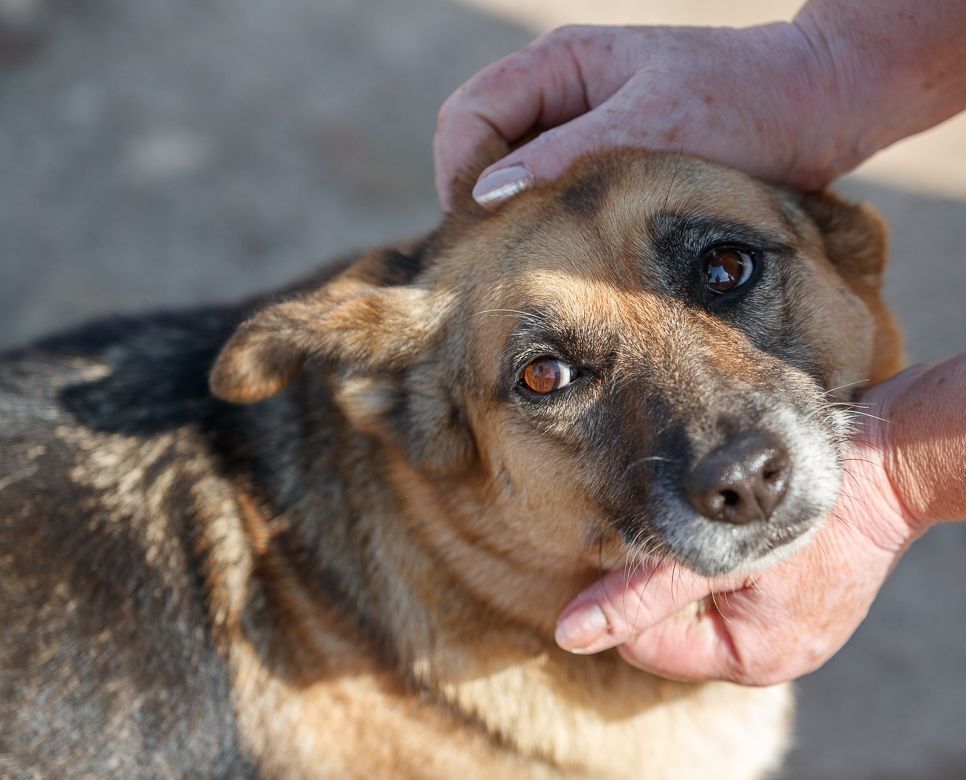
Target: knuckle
555 39
565 31
579 37
570 32
457 103
490 80
442 116
449 109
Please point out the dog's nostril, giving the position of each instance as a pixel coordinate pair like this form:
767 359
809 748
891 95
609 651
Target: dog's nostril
743 481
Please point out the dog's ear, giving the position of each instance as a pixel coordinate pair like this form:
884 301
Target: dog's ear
383 338
352 323
855 237
857 243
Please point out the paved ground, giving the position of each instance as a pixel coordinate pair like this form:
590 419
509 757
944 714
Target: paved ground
194 150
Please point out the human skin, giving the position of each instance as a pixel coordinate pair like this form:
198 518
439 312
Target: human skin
798 103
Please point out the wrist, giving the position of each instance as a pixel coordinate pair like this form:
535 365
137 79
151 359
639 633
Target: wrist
895 69
808 87
847 108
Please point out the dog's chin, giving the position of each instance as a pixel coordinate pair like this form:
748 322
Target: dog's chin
783 549
717 550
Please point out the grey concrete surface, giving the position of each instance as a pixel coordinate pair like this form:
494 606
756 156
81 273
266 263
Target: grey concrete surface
170 153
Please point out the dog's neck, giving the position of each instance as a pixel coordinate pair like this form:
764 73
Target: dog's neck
351 513
412 562
425 564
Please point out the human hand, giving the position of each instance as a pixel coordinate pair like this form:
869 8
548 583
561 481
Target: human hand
782 622
745 97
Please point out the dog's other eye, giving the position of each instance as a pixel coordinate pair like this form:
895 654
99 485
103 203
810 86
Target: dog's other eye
726 268
547 374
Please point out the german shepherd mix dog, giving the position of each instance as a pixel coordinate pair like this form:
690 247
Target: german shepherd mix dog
345 559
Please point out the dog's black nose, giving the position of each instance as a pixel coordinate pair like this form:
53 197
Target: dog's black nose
742 481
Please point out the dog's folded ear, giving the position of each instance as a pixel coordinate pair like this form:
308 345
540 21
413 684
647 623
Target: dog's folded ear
380 334
856 241
259 360
350 322
855 237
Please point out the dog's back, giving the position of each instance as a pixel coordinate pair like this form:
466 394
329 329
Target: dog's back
103 442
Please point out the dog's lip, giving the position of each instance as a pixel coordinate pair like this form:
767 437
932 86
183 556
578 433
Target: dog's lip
759 543
787 536
776 537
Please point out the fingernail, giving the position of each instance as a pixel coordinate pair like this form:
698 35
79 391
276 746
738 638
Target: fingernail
502 184
578 631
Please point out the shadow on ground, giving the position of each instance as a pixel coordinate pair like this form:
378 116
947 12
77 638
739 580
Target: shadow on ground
158 154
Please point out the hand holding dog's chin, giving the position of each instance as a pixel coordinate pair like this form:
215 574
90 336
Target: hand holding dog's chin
788 620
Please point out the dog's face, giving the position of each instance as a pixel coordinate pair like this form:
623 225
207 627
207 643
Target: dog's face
651 351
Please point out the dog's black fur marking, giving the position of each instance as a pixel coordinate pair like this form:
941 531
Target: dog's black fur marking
585 198
113 690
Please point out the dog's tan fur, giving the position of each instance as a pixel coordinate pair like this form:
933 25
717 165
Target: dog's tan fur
385 552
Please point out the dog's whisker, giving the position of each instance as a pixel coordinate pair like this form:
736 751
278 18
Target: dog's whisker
754 583
714 601
861 460
873 416
17 476
507 312
640 603
825 556
847 384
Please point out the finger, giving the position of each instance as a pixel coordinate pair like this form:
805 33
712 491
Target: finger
728 647
546 158
540 85
618 608
689 649
615 123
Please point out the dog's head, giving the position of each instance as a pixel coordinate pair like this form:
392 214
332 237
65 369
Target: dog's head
654 349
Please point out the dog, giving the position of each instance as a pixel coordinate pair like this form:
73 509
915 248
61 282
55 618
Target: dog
327 533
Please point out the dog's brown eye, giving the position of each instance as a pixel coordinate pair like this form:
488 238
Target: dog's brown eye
727 268
546 375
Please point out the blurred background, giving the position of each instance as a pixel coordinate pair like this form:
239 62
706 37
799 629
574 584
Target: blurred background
171 153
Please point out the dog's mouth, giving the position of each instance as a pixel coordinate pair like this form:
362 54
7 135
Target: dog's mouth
750 501
715 552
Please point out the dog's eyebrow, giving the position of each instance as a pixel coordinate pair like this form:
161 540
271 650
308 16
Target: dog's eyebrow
585 197
676 234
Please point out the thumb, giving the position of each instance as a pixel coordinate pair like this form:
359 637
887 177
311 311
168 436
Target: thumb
614 124
691 650
541 160
618 608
